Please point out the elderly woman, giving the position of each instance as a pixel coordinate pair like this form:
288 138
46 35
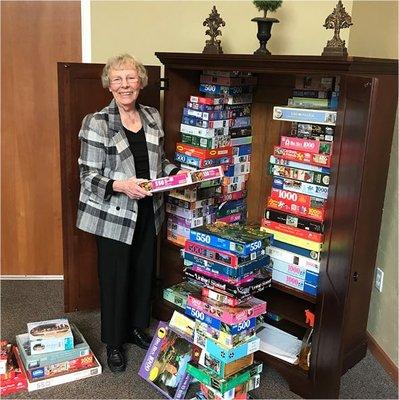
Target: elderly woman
121 146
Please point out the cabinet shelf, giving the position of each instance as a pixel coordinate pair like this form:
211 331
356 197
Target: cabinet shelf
294 292
281 365
288 326
286 306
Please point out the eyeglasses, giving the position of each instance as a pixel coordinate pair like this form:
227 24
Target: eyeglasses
117 80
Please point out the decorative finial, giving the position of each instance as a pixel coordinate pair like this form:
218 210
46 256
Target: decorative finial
337 20
213 22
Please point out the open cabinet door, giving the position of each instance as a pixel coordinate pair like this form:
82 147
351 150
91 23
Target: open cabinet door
80 92
349 269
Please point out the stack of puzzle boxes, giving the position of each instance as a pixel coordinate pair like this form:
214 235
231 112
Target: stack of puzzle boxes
226 265
12 379
216 131
54 352
300 167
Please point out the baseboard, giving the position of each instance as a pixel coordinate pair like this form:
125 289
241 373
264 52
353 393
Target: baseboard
32 277
383 358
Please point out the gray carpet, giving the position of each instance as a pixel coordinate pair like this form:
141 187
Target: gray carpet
27 301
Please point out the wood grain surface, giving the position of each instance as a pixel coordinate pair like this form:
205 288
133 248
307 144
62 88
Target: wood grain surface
34 37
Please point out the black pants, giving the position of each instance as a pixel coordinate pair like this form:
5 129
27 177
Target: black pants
125 277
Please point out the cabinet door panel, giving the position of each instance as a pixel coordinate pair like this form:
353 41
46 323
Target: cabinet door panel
348 181
371 200
80 92
350 144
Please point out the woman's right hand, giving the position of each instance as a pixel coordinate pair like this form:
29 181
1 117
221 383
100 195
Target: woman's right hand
131 188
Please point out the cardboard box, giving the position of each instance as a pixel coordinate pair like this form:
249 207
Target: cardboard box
5 354
164 365
184 179
86 372
48 336
177 294
230 355
15 379
32 361
224 370
211 379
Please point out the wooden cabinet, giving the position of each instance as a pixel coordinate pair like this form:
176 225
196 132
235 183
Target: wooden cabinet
363 135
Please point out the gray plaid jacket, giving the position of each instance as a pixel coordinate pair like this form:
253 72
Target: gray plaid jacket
105 155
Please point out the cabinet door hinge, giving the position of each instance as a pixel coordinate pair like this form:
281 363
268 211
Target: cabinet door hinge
164 84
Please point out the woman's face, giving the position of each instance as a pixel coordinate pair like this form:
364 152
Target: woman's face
125 85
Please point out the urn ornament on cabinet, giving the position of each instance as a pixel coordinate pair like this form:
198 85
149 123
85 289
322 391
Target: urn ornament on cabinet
265 24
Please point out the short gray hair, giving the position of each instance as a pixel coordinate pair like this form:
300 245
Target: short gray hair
121 61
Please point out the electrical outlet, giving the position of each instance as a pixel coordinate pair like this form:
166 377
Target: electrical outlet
379 279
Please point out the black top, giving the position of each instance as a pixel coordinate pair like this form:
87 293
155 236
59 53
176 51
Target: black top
138 147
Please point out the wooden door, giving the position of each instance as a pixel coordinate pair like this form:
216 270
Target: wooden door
349 154
34 36
80 93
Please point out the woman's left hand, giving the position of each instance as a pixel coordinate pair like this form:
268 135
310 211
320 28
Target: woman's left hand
131 188
182 171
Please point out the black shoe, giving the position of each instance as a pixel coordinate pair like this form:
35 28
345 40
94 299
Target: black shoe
140 338
116 359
